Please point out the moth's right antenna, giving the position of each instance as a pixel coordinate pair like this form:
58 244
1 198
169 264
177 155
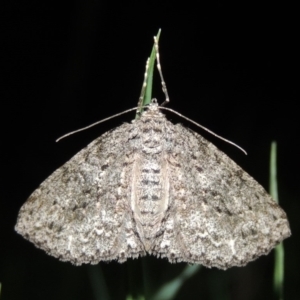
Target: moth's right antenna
167 100
204 128
163 83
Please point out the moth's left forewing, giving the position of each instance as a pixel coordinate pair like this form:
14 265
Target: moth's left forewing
79 213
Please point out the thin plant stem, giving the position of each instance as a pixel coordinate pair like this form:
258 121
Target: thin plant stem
278 277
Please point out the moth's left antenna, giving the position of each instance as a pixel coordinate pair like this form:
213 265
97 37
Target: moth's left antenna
96 123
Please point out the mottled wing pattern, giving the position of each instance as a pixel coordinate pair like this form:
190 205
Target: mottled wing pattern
151 186
80 213
219 215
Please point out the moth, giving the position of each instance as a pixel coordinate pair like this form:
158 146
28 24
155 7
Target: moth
153 187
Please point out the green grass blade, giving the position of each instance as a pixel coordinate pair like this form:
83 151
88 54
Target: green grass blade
149 83
278 278
98 283
273 172
148 95
148 280
129 297
169 290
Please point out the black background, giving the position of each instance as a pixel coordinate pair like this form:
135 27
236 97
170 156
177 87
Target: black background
233 67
